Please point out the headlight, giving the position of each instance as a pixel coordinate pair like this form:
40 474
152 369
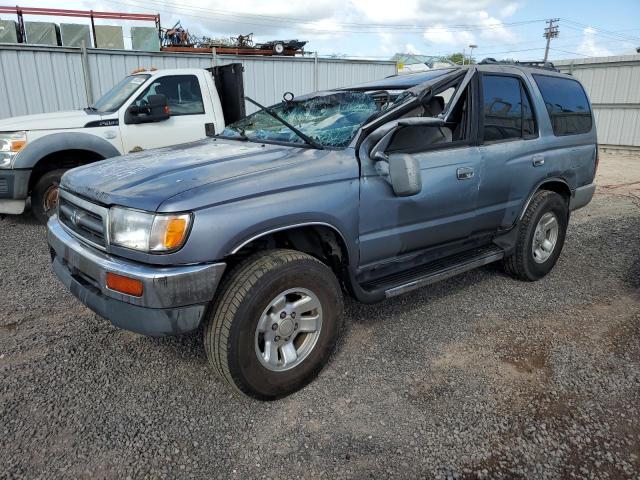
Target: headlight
10 144
148 232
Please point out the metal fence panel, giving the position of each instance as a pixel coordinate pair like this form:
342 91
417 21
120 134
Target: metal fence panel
48 79
38 80
266 79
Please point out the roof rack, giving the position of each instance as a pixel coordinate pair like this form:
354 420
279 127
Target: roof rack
542 65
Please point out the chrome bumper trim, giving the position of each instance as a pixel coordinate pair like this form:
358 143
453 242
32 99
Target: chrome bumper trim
164 287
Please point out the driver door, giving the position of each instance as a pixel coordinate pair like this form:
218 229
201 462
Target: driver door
442 212
187 115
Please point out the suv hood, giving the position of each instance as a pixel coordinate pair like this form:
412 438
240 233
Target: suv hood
145 180
48 121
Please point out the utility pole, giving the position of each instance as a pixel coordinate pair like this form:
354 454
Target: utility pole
550 32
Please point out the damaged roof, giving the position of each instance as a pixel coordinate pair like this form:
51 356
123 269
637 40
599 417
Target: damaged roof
402 82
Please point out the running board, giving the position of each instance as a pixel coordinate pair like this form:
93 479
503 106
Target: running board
434 272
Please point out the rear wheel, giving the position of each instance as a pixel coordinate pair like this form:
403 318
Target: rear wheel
275 323
44 197
541 235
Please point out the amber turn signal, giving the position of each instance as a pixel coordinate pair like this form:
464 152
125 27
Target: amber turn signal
175 232
126 285
17 145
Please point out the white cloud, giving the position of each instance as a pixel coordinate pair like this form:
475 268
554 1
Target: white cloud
382 11
588 44
494 30
410 48
439 34
386 42
333 26
509 9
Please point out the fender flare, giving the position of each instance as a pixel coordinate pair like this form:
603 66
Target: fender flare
59 142
292 226
537 187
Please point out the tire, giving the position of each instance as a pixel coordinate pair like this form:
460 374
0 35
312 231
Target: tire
278 49
42 203
524 263
235 335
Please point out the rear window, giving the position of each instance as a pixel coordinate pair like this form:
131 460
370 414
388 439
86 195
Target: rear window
566 103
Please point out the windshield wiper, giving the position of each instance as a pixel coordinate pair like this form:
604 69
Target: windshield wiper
307 139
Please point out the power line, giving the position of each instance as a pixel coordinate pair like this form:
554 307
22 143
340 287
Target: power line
263 20
607 32
572 53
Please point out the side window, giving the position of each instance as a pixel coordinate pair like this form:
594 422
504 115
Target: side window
182 91
420 138
507 111
566 103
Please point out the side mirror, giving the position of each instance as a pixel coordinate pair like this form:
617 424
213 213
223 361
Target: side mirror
405 176
156 110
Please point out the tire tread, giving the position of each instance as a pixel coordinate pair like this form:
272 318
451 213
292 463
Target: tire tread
235 288
514 264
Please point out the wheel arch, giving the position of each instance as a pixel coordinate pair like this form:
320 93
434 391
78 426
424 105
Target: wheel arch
556 184
62 150
318 239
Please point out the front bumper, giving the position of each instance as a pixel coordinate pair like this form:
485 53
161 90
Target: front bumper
582 196
174 300
14 189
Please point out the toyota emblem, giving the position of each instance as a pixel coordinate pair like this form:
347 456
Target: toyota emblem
75 217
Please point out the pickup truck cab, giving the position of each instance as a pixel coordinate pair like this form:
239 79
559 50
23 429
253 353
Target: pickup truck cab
148 109
373 190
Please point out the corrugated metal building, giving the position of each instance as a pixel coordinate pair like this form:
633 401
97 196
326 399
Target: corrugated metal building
613 85
49 79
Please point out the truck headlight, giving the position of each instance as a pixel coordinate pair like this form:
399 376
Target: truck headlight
148 232
10 144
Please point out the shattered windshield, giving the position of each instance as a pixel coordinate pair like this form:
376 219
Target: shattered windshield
331 118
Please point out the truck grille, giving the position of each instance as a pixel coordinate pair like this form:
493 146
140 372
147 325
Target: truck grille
4 186
84 219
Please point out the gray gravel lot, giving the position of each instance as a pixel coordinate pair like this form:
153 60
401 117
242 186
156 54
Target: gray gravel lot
477 377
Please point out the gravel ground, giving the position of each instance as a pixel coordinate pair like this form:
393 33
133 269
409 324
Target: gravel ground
477 377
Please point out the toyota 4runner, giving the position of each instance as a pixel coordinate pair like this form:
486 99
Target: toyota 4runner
373 190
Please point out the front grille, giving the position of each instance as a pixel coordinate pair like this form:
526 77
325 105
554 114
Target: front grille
84 219
4 186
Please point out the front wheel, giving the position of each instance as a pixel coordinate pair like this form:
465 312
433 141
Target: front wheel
44 197
275 323
541 234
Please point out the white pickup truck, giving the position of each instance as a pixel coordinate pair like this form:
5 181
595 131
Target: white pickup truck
145 110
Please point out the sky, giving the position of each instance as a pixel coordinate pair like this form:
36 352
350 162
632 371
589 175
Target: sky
379 29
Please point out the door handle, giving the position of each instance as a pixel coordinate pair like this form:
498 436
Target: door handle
538 160
464 173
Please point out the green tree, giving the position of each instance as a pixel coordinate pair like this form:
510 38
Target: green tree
457 58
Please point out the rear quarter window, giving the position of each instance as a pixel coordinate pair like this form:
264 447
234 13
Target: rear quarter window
566 103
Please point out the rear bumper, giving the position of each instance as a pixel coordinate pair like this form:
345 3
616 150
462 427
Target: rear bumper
582 196
174 301
14 189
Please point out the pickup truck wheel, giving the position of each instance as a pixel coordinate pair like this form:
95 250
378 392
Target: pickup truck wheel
44 197
541 235
274 324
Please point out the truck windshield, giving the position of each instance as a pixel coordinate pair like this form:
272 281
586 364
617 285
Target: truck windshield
114 98
331 118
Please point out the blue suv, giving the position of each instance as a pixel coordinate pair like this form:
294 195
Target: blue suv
373 190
